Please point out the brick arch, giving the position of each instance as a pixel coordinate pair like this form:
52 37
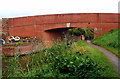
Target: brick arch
35 26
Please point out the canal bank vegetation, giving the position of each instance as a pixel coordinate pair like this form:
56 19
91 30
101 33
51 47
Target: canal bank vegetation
88 33
60 60
110 41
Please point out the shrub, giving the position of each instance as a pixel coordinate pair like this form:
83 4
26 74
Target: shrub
68 65
76 65
57 49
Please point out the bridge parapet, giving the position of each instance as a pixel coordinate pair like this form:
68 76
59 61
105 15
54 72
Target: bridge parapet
64 18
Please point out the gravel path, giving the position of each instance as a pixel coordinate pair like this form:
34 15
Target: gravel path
111 57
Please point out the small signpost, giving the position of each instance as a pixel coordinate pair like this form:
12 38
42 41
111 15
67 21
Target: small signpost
68 24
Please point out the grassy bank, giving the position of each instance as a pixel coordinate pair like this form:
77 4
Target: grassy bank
100 59
109 41
60 60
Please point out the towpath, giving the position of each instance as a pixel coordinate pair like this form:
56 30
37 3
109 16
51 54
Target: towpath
111 57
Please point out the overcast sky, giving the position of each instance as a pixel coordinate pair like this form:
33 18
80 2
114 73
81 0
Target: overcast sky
18 8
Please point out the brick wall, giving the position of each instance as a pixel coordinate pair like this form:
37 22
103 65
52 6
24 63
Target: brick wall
35 26
0 28
4 29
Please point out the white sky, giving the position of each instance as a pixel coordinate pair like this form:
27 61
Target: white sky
18 8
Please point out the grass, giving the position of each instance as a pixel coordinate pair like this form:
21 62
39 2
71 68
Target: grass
60 60
0 67
99 58
109 41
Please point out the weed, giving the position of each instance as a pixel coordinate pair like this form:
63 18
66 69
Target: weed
60 60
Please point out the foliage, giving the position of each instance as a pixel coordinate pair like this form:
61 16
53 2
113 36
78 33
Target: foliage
109 41
18 43
79 49
77 65
69 65
14 68
76 31
88 33
57 49
58 60
99 58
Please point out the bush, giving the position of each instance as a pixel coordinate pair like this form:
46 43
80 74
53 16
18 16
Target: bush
68 65
55 50
76 65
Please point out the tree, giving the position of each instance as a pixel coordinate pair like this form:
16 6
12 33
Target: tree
76 31
88 33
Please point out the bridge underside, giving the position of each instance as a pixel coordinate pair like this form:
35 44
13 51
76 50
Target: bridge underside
48 36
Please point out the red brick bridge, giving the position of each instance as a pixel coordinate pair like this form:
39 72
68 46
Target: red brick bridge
48 27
